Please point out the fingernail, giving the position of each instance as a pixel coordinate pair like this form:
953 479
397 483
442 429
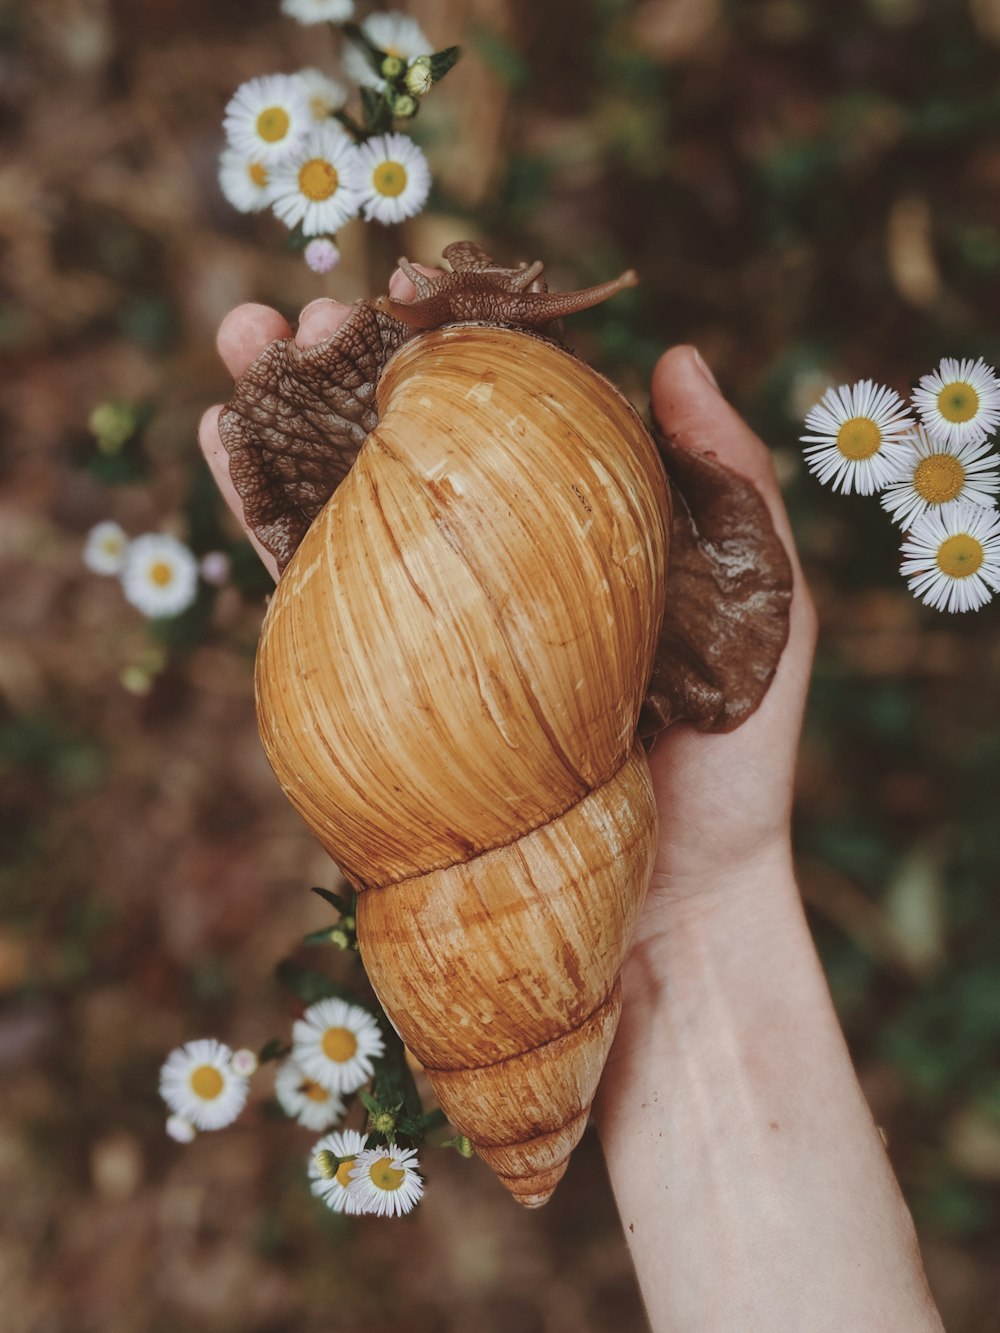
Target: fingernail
702 365
317 304
318 320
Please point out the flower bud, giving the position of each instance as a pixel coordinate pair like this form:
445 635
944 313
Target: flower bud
327 1163
405 106
180 1130
419 77
383 1122
392 67
243 1062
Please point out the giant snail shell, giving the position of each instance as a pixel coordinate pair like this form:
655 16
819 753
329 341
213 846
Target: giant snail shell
454 667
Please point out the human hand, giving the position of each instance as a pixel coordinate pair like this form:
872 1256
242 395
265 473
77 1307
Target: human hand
724 800
738 1143
243 335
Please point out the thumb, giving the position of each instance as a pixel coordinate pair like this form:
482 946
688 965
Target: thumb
693 413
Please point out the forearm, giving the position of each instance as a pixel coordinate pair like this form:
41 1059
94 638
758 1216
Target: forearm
752 1183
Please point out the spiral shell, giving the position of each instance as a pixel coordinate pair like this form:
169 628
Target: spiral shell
448 685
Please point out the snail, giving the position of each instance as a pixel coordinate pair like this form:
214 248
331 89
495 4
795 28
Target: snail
466 655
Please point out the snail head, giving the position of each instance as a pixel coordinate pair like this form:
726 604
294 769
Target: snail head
480 291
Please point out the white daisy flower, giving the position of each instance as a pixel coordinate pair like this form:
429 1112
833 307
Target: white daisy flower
181 1130
321 254
243 181
933 474
855 434
951 556
385 1181
267 118
160 575
335 1042
394 33
959 402
303 1099
393 177
324 95
333 1189
105 548
199 1084
318 11
317 185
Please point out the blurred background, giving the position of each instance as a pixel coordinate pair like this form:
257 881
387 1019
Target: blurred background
810 193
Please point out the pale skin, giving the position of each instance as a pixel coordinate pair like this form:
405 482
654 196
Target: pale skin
752 1182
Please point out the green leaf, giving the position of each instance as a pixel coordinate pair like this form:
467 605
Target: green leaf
334 899
377 112
443 61
275 1049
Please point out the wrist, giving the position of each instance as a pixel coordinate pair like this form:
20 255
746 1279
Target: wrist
738 1143
727 915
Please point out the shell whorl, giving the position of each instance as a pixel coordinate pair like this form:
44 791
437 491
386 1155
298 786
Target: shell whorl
449 681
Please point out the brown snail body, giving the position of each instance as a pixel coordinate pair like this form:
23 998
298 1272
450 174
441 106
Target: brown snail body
474 529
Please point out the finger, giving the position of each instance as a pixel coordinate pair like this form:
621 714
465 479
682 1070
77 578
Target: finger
319 320
400 286
691 410
245 332
218 463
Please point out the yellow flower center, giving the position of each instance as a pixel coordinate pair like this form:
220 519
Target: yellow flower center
858 438
318 179
343 1176
384 1175
258 174
273 124
959 556
313 1090
339 1044
939 478
958 401
206 1082
389 179
161 574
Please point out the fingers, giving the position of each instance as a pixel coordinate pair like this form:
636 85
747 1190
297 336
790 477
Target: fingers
319 320
691 410
400 286
244 334
218 463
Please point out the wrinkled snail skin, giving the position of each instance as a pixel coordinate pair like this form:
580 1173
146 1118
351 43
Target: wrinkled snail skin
448 686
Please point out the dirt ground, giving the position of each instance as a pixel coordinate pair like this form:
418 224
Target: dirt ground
807 195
